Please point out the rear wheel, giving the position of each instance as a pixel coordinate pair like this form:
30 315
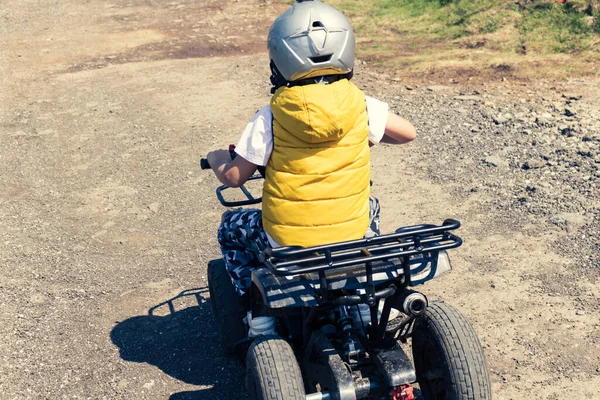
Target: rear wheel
227 306
272 371
449 359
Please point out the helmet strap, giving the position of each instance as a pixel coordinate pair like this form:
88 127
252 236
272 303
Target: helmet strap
277 80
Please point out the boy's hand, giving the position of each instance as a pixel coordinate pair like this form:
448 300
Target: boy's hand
233 173
217 158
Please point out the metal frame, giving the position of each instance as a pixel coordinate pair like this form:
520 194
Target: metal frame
250 199
399 247
409 241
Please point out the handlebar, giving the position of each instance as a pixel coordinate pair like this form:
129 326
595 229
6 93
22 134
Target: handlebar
204 164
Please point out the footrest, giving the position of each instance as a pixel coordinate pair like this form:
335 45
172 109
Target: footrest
394 365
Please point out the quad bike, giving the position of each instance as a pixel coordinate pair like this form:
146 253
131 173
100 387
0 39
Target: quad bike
337 318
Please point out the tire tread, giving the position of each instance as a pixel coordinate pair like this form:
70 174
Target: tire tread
464 354
227 306
272 363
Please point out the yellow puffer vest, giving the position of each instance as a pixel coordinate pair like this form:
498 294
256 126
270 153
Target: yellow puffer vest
316 187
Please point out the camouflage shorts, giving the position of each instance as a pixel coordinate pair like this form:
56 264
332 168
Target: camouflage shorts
242 238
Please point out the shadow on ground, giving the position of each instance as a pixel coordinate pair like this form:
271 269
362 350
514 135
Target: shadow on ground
178 337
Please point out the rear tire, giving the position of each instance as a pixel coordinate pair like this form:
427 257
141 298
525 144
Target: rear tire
227 306
449 359
272 372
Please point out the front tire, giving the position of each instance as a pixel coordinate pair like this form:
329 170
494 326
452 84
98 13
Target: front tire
272 372
227 306
449 359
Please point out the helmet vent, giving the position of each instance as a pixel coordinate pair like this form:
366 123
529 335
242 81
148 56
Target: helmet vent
320 59
318 24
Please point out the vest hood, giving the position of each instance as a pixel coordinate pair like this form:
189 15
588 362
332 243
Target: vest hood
316 113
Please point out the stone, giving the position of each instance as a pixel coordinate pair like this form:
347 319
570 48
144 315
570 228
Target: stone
544 119
534 163
522 118
437 88
571 218
149 385
572 96
494 161
567 130
468 98
487 113
499 120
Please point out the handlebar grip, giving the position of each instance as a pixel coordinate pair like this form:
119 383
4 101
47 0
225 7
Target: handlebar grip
204 162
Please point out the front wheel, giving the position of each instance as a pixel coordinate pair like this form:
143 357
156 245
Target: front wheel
449 359
227 306
272 371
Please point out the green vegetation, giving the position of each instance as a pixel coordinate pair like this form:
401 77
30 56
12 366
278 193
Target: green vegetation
466 32
569 26
547 26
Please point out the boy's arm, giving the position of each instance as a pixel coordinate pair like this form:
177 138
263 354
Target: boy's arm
233 173
398 130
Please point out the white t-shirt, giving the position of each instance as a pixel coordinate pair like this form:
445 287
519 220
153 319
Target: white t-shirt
256 143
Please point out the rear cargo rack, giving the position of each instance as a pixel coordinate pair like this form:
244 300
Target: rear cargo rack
402 244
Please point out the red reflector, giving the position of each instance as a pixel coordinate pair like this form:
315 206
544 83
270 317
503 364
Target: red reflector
404 392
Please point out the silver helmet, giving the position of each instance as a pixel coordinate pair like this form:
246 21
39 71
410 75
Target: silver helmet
311 39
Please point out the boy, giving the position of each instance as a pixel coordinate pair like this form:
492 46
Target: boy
314 140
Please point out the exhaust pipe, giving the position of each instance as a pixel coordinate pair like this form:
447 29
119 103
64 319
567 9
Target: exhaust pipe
414 303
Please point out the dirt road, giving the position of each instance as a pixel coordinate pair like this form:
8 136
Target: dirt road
105 215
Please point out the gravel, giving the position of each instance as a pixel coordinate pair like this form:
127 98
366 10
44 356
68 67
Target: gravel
539 158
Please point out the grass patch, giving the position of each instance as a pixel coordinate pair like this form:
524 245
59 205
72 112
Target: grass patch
469 33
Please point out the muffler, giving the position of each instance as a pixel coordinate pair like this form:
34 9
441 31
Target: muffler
414 303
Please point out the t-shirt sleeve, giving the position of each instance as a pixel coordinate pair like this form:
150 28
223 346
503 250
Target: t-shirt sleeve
378 115
256 143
